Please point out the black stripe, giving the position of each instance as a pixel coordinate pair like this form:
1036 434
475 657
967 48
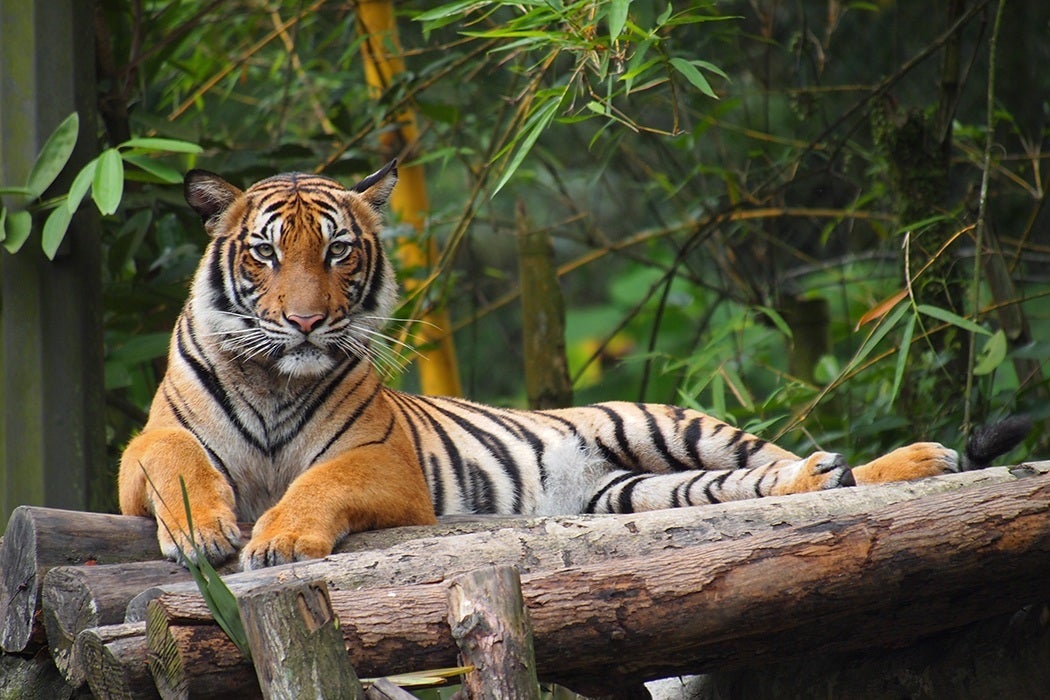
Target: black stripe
625 502
693 435
213 456
592 505
350 420
660 443
489 441
207 377
717 481
623 443
375 283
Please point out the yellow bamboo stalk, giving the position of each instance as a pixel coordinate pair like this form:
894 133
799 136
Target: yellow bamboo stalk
438 371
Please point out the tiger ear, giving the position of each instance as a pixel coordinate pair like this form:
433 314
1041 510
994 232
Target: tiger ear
376 188
208 194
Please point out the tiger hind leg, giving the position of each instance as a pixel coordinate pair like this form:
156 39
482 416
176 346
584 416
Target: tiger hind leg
628 492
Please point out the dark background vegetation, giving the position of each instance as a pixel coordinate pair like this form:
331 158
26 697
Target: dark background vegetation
767 210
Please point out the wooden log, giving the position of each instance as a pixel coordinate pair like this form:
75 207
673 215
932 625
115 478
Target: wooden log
1003 657
113 659
296 645
33 678
534 544
77 598
853 582
38 539
383 689
488 620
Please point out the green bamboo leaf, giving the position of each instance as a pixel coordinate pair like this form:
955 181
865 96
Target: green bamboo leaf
55 230
163 145
107 188
81 185
3 224
902 355
617 17
18 191
952 318
877 334
691 73
992 354
17 227
53 156
778 320
534 126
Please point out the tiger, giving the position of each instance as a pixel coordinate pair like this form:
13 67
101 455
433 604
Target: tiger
271 409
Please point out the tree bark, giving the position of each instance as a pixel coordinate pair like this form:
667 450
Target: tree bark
491 626
296 646
38 539
861 581
534 544
76 598
113 660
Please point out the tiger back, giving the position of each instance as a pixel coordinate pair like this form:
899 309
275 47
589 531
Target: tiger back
271 410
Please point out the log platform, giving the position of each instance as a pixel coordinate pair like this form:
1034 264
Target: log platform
609 601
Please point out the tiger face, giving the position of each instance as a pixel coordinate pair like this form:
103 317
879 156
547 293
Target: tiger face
297 278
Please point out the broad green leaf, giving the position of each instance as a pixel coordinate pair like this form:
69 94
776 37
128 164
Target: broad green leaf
617 17
17 227
992 354
81 185
53 156
693 75
18 191
162 172
108 185
952 318
163 145
55 230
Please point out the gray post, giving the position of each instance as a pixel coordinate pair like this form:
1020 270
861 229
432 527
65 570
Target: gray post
52 429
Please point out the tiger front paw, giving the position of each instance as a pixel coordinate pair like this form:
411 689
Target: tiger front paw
215 535
281 540
819 471
915 461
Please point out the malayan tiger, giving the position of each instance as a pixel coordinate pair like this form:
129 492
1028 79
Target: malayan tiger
271 411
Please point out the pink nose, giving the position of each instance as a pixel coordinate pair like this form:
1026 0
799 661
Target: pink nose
305 323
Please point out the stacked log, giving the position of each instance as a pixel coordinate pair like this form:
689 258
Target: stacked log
613 600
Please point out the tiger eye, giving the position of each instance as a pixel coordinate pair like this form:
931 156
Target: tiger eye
264 251
338 249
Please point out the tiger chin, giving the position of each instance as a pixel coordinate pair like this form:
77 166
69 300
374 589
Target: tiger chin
271 409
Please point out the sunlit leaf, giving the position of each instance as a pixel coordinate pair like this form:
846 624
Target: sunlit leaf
162 145
693 75
81 185
53 156
992 354
617 17
952 318
55 230
17 227
164 173
107 188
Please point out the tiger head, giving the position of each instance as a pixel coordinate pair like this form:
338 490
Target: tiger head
295 274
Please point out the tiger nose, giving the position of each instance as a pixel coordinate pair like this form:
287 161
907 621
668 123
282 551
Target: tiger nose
305 323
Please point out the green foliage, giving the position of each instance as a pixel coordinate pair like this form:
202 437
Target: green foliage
702 167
